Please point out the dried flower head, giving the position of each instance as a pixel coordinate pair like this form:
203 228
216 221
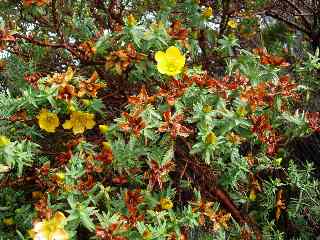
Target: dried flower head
90 87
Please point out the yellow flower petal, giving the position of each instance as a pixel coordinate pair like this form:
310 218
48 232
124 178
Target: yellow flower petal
51 229
69 74
90 122
67 124
48 121
160 56
162 68
60 234
78 128
41 236
31 233
171 62
180 61
79 122
173 52
59 217
38 226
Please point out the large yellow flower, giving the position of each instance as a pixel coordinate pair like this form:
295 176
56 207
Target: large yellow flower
79 122
48 121
51 229
170 62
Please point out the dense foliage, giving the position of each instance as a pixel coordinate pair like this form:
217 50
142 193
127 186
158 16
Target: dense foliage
135 119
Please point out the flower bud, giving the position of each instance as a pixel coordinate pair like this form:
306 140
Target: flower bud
211 138
106 145
206 109
166 203
207 12
131 20
60 176
8 221
4 141
103 129
232 24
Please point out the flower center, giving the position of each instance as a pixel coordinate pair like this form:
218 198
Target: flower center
50 119
171 65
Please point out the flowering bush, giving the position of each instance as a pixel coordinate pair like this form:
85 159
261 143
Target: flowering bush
143 120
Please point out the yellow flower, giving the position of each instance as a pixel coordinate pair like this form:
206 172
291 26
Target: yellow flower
170 62
103 128
60 176
207 12
211 138
4 141
68 74
207 109
51 229
166 203
131 20
71 108
48 121
232 24
241 111
79 122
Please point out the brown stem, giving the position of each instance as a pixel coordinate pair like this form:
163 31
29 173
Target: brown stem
296 8
225 200
55 19
18 182
224 18
46 44
291 24
206 179
66 46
